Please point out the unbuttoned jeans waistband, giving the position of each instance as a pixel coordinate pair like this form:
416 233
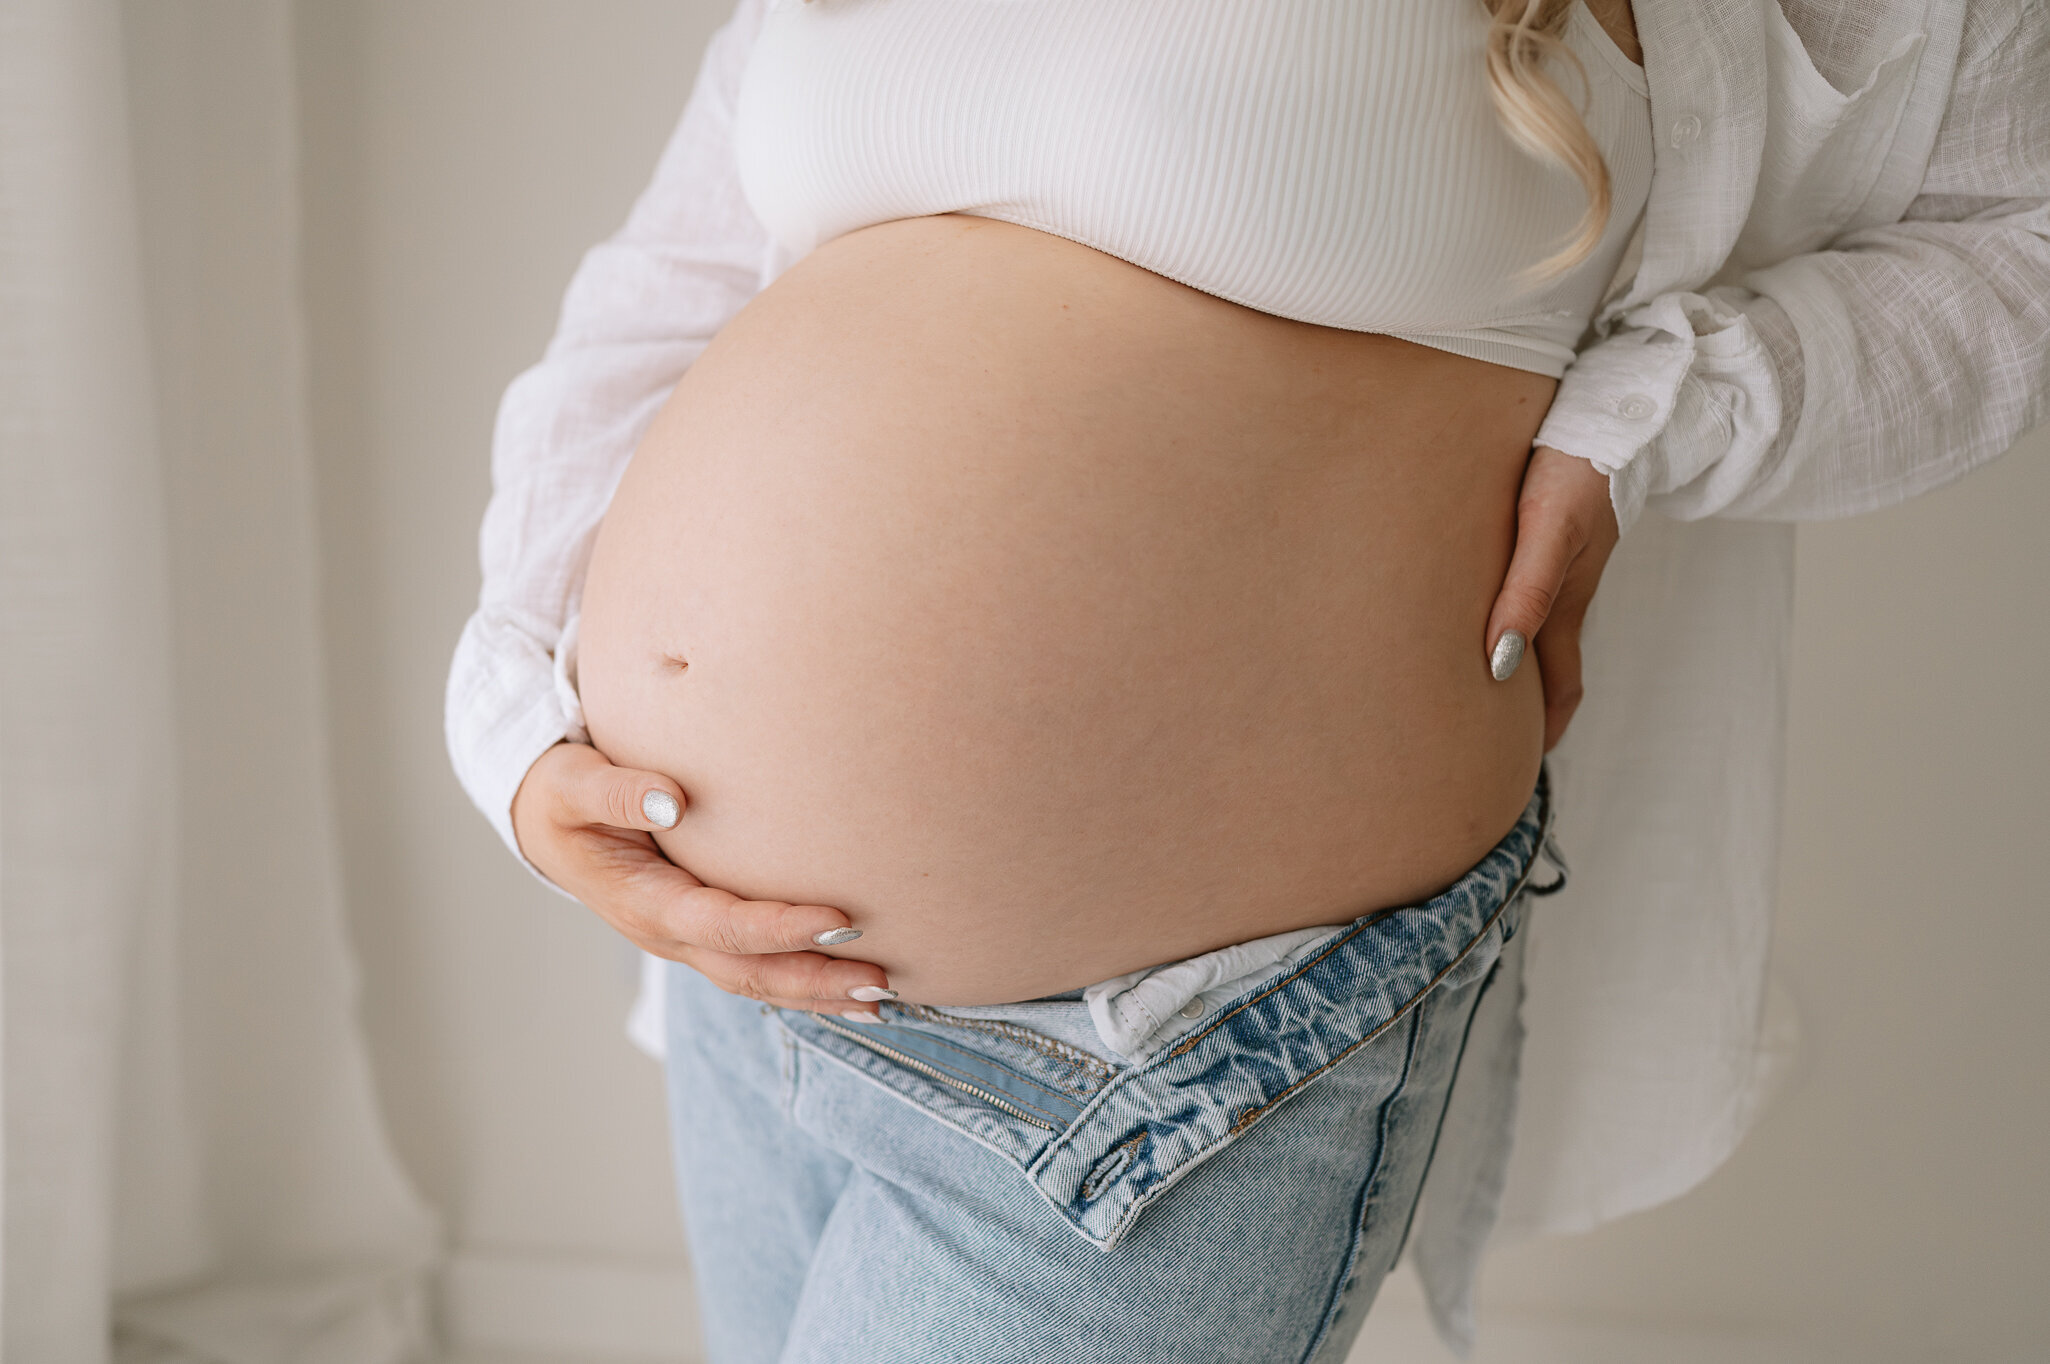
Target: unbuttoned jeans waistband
1100 1142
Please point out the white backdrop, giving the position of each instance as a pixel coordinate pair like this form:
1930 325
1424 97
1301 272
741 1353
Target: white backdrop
195 1167
260 290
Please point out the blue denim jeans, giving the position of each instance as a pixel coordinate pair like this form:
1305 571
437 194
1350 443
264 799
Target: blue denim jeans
968 1190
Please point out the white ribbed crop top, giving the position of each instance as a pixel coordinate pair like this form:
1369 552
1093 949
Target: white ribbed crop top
1333 161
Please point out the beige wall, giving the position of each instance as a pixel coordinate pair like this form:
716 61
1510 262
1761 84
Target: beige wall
460 154
459 158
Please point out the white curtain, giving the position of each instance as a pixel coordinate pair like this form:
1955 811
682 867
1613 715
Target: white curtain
195 1168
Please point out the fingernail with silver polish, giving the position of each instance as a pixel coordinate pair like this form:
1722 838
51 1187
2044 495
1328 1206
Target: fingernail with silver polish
1508 653
833 937
862 1016
660 808
871 994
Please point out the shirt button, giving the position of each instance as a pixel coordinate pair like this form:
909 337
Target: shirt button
1637 407
1193 1009
1685 129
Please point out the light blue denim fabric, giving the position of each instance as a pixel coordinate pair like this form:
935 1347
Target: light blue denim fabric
941 1189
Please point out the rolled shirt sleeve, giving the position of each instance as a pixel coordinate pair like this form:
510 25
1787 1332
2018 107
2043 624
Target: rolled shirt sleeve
1841 380
640 309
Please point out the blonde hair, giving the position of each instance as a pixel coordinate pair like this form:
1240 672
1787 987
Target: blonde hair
1537 115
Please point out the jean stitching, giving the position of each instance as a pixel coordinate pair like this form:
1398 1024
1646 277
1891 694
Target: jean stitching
1108 1170
1252 1115
1465 1036
1336 1305
1190 1043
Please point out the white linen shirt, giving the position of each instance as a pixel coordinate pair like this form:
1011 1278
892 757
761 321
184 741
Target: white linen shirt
1839 297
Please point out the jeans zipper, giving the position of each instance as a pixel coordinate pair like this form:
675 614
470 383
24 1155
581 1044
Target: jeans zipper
936 1073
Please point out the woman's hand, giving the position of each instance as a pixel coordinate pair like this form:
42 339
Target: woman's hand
1565 531
589 827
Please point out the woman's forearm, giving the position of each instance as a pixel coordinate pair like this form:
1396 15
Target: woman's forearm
1849 378
640 308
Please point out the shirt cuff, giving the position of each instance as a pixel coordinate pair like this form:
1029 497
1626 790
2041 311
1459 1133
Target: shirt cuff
569 702
502 714
1622 398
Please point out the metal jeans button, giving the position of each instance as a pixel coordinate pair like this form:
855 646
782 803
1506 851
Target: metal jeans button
1193 1009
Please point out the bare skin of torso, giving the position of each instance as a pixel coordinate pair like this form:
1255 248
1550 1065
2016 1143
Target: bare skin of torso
1054 619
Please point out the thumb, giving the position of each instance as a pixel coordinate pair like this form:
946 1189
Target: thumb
1546 544
596 792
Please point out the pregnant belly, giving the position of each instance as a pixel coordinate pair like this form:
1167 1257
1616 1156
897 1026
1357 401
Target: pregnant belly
1054 619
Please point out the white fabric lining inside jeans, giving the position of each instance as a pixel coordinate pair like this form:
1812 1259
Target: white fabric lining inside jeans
1138 1013
1128 1018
